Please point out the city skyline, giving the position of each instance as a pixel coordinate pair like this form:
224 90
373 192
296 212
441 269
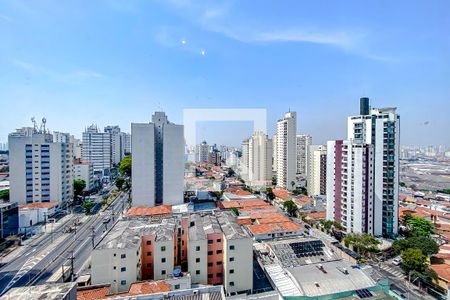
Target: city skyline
320 63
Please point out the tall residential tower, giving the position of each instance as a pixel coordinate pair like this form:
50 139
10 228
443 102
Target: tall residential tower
287 151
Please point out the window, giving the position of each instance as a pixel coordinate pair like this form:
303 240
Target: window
163 272
163 248
231 247
210 264
197 272
123 269
210 275
149 265
177 286
114 268
123 282
163 260
218 251
232 271
219 263
219 275
123 256
114 255
149 253
149 242
231 258
219 240
210 242
231 283
210 253
197 248
197 260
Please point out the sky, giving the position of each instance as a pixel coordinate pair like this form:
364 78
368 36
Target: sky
113 62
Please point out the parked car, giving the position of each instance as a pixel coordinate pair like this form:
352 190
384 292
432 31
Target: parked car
397 261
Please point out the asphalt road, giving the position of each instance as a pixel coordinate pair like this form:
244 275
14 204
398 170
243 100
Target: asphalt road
45 256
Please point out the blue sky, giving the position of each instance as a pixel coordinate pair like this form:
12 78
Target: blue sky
117 61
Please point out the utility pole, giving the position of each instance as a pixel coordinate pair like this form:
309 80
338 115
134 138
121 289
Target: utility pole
71 265
45 221
93 236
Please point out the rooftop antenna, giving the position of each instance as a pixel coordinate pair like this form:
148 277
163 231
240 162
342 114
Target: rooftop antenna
44 120
159 106
34 124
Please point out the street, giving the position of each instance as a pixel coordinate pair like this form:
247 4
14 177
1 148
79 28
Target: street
43 259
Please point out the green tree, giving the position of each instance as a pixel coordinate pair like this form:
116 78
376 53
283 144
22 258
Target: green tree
427 245
270 194
4 195
119 182
125 166
78 186
362 243
290 207
88 206
419 226
402 184
413 260
235 211
230 172
274 181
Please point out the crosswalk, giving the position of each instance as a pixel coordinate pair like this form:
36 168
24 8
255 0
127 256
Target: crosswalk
391 270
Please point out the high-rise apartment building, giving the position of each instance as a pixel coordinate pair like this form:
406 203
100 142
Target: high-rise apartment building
158 162
118 140
97 149
41 170
84 171
202 152
244 162
127 143
317 170
377 129
350 185
274 154
260 151
286 151
303 142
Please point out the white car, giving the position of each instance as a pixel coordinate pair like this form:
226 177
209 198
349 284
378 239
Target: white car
396 261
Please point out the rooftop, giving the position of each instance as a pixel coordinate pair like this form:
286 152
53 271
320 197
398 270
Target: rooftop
150 211
274 228
35 205
230 228
443 271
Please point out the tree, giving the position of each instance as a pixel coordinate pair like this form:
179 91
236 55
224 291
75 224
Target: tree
402 184
427 245
290 207
88 207
362 243
78 186
230 172
274 181
125 166
270 194
119 182
4 195
419 226
235 211
292 184
413 260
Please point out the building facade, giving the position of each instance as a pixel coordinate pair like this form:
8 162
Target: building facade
317 170
260 151
286 151
303 142
96 149
84 171
41 170
202 152
158 162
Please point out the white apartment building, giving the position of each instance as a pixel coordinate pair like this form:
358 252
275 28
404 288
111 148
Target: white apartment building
286 151
274 154
127 143
118 140
244 161
380 128
84 171
202 152
158 162
97 149
260 151
316 170
303 143
41 170
350 188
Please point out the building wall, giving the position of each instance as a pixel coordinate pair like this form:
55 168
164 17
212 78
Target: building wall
303 142
215 258
163 250
197 250
286 151
147 257
238 265
173 174
316 166
260 158
97 149
143 164
85 171
109 264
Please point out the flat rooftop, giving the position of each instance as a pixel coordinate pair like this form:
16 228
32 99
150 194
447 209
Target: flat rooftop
230 228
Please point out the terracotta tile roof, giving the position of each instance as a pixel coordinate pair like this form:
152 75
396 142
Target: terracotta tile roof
93 294
303 200
244 221
423 202
242 204
150 211
262 215
39 205
237 191
317 215
443 271
258 209
274 228
273 220
149 287
281 193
